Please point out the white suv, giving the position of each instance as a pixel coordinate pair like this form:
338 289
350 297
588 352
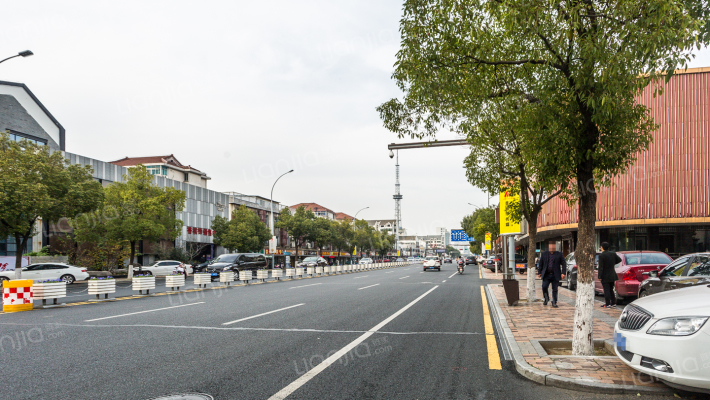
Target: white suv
432 262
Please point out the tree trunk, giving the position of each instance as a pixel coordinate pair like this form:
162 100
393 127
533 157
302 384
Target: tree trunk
532 271
20 243
582 337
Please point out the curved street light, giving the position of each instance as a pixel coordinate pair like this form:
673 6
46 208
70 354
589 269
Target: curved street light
355 218
25 53
271 200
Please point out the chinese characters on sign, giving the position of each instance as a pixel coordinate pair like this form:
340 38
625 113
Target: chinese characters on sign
459 235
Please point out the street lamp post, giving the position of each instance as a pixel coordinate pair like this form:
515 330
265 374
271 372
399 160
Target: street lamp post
271 200
355 218
25 53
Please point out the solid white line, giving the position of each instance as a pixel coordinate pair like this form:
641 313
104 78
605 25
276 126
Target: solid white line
312 284
376 284
361 277
259 315
404 277
452 275
141 312
303 379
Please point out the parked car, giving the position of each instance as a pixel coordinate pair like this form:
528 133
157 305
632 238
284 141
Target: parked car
400 259
159 268
432 262
410 259
236 263
686 271
46 271
521 263
313 262
490 263
386 260
201 266
631 271
571 274
667 336
365 260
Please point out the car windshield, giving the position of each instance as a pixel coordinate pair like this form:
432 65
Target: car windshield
647 258
310 259
226 258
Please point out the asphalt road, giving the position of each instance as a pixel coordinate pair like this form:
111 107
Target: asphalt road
391 334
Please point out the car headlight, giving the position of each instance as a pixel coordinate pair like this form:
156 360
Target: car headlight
225 269
677 326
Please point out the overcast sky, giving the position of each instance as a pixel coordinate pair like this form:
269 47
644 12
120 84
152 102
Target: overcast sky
243 91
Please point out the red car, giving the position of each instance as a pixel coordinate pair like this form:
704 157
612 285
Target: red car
630 271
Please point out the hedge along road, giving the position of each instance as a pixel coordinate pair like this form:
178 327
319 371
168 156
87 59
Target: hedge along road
400 338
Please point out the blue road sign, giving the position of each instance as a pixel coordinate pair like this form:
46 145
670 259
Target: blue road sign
459 235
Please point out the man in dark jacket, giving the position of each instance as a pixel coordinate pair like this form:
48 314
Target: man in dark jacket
607 274
551 269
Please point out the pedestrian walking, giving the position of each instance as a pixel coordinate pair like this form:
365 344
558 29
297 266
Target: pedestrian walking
551 269
607 274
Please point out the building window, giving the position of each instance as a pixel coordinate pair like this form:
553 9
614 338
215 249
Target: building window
9 248
18 136
157 169
186 177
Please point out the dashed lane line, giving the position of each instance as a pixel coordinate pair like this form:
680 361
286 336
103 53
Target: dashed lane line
312 284
143 312
262 314
376 284
303 379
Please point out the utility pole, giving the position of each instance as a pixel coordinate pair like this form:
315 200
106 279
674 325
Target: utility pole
397 203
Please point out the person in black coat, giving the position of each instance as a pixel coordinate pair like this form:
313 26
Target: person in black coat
551 268
607 274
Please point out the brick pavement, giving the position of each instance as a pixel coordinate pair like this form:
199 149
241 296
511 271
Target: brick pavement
537 322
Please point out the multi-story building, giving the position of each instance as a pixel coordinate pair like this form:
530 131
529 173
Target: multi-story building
412 245
342 216
262 207
663 201
318 210
444 235
168 167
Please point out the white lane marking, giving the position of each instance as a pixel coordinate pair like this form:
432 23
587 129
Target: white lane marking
452 275
376 284
361 277
240 328
312 284
404 277
142 312
443 281
303 379
262 314
389 272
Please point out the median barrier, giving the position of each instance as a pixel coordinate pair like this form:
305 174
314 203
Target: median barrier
17 295
226 277
175 282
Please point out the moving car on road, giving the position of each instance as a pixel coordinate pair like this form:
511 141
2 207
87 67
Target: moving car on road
365 260
46 271
432 262
631 271
400 259
470 260
447 260
688 270
667 336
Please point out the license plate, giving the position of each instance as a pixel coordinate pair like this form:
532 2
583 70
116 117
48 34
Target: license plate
215 274
620 341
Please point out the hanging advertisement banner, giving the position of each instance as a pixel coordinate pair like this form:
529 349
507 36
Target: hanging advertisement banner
488 241
507 225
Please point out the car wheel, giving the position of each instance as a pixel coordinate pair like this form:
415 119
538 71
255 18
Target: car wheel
439 269
3 279
643 294
68 279
616 294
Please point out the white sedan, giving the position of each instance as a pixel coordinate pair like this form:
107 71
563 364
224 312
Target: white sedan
160 268
49 271
365 260
667 336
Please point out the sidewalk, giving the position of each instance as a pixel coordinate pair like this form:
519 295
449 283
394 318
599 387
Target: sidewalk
525 325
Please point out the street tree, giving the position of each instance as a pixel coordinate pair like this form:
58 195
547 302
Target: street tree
581 62
38 185
503 157
322 234
342 235
220 229
452 251
364 236
247 233
481 221
299 225
136 209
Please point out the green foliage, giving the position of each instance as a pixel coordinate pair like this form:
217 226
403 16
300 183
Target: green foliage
299 225
133 210
220 226
343 234
479 222
452 251
44 251
245 232
36 184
